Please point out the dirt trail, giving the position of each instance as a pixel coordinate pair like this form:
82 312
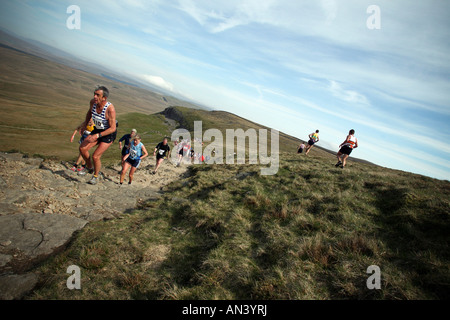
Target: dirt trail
37 186
43 203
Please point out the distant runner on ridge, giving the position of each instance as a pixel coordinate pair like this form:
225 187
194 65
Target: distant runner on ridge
347 147
313 139
301 148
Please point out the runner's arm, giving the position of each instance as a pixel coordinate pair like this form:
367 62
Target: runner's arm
346 140
73 136
145 152
88 117
111 112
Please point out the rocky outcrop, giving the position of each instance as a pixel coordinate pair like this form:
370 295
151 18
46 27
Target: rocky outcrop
28 238
174 114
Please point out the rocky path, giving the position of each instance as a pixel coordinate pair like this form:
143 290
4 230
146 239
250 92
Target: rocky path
43 203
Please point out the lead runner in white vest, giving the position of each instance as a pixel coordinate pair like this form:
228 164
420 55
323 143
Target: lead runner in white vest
103 114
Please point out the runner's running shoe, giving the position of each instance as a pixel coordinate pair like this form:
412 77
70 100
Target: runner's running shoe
93 181
84 171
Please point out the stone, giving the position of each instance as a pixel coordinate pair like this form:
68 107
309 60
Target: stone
9 208
37 235
4 259
5 243
13 287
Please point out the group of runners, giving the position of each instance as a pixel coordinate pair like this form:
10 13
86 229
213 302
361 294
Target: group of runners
100 130
187 153
344 152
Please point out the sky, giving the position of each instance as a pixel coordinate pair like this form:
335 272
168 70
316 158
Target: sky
292 65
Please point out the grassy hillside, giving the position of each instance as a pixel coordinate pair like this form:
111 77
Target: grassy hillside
309 232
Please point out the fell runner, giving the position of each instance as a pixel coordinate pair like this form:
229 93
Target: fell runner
313 139
103 115
162 151
347 147
136 152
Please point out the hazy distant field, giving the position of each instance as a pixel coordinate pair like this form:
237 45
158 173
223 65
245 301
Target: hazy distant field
42 102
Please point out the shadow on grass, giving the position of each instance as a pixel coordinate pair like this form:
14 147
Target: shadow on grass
415 231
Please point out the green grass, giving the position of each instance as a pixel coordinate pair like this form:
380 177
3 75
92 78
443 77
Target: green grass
309 232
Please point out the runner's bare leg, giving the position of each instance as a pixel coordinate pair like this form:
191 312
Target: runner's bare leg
102 147
132 171
125 168
84 151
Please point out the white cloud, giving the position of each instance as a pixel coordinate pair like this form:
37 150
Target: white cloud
220 16
158 81
330 7
347 95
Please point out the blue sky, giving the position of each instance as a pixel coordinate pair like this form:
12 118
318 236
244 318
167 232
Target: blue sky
296 66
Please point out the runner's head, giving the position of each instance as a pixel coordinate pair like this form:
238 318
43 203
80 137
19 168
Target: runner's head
352 132
101 94
136 140
133 132
317 131
165 141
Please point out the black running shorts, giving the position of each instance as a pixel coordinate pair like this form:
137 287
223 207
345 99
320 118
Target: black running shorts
346 150
106 139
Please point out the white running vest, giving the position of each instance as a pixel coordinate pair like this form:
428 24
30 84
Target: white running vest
99 119
351 142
